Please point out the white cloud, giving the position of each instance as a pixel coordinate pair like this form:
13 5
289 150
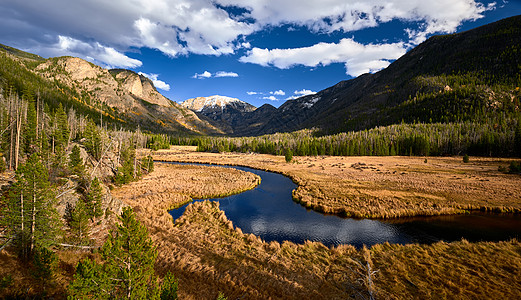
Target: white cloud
442 16
157 83
218 74
357 57
272 98
301 93
278 93
304 92
104 30
226 74
252 93
203 75
94 52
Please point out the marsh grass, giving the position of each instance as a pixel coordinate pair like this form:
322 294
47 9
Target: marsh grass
483 270
208 254
382 187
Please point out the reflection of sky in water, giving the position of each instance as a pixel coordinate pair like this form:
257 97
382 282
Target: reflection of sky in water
269 212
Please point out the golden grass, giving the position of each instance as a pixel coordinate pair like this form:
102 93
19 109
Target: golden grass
26 286
209 255
382 187
459 270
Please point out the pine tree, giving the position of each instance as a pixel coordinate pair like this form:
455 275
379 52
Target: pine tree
31 215
62 128
79 229
517 141
30 127
127 271
94 198
76 162
169 287
288 155
92 140
127 171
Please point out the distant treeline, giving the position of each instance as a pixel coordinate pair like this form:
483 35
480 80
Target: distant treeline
401 139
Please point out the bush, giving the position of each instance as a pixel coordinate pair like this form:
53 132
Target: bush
466 158
515 167
288 155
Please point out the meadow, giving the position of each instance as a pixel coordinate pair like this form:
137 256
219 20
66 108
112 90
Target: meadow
210 255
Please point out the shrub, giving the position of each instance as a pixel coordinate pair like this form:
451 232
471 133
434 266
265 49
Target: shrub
288 155
466 158
515 167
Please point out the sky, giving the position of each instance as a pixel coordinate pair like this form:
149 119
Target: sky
259 51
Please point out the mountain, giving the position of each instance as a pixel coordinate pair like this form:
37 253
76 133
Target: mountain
121 97
473 75
223 112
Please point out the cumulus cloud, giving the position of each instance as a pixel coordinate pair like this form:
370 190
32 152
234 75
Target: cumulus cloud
203 75
357 57
272 98
443 16
278 93
252 93
95 52
104 30
304 92
218 74
186 26
226 74
301 93
157 83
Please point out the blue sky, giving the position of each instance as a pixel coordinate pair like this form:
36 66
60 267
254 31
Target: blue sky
260 51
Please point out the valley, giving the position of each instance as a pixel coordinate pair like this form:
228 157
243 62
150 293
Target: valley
436 133
209 254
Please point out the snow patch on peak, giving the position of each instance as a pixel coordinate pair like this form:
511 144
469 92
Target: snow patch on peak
202 104
310 103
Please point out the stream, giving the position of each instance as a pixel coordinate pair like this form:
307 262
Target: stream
268 211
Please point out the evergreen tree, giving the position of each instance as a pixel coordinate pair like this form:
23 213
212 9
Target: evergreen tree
169 287
127 271
30 125
76 162
31 215
127 171
79 231
517 141
92 140
61 133
44 262
93 199
288 155
147 164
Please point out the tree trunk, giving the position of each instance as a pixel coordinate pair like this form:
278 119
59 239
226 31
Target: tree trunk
19 112
37 113
33 221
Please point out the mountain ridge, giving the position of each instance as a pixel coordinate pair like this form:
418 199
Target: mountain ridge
453 77
123 96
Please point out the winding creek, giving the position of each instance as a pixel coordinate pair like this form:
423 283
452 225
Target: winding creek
269 212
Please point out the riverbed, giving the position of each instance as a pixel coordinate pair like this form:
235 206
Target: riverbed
269 212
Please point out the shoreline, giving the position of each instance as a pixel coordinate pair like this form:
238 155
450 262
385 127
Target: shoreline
208 254
396 196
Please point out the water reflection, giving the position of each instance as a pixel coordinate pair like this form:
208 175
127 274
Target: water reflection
269 212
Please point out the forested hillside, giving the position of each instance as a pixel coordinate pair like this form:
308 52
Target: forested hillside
473 76
57 167
452 95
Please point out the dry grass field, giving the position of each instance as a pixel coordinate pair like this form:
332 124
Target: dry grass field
209 255
382 187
